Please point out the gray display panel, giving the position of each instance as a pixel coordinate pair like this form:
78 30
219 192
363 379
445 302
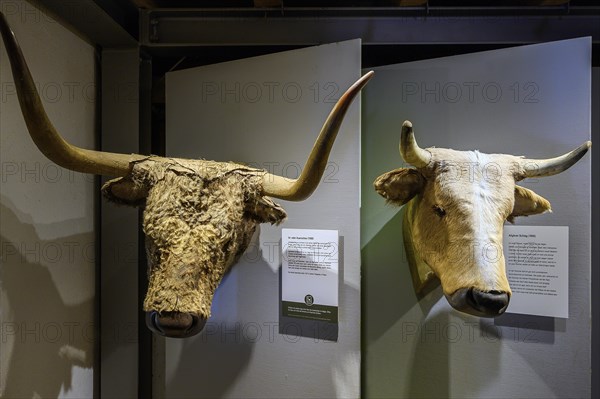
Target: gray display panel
267 112
533 101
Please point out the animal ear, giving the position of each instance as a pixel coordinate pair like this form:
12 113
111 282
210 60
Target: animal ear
528 203
264 210
399 185
125 191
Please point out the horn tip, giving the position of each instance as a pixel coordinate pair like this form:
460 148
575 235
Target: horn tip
360 83
588 144
407 124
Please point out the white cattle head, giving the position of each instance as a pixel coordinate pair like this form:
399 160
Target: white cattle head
458 202
199 216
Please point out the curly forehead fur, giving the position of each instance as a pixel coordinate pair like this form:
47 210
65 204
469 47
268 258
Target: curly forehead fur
199 218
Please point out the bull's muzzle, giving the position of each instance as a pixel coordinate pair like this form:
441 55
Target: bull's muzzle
175 324
479 303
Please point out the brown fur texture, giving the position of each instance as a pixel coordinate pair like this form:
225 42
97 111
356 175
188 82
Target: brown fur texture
199 218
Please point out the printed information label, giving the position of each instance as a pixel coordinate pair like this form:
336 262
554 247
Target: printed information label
310 274
537 265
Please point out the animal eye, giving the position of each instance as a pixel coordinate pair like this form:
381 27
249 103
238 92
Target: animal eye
439 210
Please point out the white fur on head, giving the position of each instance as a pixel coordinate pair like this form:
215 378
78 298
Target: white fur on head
460 202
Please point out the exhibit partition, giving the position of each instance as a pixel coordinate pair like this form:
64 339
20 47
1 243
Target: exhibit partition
266 112
47 213
532 101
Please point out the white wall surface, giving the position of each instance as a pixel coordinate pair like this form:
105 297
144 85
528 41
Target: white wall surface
241 353
423 348
46 220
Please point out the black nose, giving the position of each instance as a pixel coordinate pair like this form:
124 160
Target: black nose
490 303
175 324
479 303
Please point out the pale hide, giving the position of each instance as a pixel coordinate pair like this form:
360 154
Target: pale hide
457 203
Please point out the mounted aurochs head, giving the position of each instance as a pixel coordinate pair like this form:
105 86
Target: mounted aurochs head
199 216
457 203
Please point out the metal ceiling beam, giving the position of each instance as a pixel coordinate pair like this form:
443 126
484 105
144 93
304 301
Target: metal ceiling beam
100 22
188 28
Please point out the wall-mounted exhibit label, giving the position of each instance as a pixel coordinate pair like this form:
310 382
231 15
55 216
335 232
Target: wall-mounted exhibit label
309 287
537 264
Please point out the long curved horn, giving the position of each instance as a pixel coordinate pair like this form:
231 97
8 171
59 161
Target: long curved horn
43 133
552 166
410 150
302 187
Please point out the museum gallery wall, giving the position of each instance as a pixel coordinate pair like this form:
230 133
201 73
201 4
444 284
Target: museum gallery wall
47 230
280 102
532 101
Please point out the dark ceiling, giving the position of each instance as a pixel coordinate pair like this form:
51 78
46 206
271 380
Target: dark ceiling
154 4
203 31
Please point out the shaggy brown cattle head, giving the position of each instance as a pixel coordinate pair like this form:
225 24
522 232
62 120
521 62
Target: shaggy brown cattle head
458 202
199 216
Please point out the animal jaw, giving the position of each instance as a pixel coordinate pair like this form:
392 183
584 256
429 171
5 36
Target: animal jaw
422 275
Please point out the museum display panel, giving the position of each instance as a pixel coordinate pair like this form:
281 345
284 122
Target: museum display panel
532 101
278 101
